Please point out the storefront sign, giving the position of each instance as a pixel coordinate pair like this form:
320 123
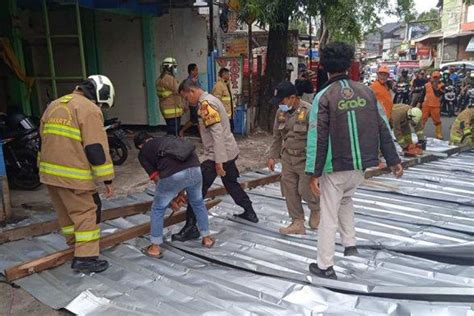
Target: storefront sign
235 46
235 66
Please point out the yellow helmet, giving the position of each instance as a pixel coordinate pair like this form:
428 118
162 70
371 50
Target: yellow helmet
414 115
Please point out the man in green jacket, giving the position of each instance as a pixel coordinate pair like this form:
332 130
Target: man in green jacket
347 128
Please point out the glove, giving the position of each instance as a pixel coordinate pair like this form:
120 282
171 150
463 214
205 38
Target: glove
410 150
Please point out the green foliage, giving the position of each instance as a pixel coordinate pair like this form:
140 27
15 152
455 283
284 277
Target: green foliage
299 25
432 18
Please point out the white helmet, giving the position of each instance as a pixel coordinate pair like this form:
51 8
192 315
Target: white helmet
414 115
169 61
104 90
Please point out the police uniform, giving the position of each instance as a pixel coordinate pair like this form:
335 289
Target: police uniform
462 127
219 147
289 143
401 125
74 156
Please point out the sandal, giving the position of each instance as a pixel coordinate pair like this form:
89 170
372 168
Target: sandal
146 251
208 241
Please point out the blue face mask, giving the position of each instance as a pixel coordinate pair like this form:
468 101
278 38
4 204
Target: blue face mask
284 107
175 71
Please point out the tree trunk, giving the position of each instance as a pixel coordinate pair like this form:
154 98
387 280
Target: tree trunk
275 71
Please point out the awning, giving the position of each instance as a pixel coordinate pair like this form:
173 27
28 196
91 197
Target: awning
470 46
432 35
460 34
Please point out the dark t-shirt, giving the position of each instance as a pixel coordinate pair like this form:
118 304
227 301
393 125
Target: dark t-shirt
419 82
164 166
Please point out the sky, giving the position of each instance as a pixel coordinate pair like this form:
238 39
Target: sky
420 6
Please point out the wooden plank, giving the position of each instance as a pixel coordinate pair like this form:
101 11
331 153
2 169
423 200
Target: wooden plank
7 204
51 226
58 258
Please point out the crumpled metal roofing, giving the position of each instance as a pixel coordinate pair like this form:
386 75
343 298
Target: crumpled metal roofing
255 270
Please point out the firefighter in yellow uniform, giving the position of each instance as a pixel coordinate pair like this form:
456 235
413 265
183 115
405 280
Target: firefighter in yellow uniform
403 118
461 130
222 92
171 105
74 157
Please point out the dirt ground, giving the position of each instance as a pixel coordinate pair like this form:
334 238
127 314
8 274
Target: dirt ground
130 178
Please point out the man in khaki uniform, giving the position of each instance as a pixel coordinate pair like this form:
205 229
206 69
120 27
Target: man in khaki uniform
220 153
74 156
403 118
222 92
289 143
171 106
461 130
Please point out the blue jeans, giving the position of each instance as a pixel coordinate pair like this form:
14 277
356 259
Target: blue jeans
166 189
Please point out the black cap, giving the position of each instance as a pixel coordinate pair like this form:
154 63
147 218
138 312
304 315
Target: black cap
283 90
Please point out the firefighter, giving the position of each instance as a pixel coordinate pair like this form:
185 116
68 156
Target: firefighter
382 90
74 156
290 132
403 118
220 154
461 130
170 101
431 107
222 92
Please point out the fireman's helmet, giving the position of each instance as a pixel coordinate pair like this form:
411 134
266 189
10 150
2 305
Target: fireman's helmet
169 64
104 90
414 115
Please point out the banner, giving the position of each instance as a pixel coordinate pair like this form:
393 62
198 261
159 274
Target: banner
235 66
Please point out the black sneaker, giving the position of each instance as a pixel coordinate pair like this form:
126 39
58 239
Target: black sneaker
248 216
350 251
186 233
89 264
329 273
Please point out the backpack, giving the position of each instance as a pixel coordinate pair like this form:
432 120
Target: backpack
174 147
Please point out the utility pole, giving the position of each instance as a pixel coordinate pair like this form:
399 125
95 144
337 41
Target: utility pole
211 27
310 42
250 63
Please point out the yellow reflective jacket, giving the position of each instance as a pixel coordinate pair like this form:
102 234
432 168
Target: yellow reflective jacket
74 147
170 100
461 130
222 92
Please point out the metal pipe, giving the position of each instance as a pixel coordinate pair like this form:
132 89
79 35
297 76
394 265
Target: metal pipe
310 42
81 42
52 69
250 64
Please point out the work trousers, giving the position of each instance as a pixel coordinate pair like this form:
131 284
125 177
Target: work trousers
295 186
173 126
230 182
415 99
431 111
78 213
337 212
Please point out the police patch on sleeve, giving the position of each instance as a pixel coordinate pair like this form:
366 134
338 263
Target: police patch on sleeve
208 114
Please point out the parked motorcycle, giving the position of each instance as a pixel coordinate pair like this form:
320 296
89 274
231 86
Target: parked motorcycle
449 101
21 143
118 145
402 93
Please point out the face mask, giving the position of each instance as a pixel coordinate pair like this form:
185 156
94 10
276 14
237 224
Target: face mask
284 107
175 71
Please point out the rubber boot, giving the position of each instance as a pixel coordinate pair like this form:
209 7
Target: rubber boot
295 228
439 131
189 230
314 219
89 264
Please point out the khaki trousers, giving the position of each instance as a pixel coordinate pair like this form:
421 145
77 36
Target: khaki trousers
295 186
337 212
78 213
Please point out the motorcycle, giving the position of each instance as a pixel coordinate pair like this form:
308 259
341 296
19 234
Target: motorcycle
21 144
449 101
117 137
402 93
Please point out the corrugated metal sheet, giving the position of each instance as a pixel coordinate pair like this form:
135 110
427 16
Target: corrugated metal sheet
255 270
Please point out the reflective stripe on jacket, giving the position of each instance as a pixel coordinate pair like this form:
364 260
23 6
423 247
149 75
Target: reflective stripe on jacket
170 100
69 126
222 92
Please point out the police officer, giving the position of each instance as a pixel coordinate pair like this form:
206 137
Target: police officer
220 152
74 156
171 106
461 130
289 144
403 118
